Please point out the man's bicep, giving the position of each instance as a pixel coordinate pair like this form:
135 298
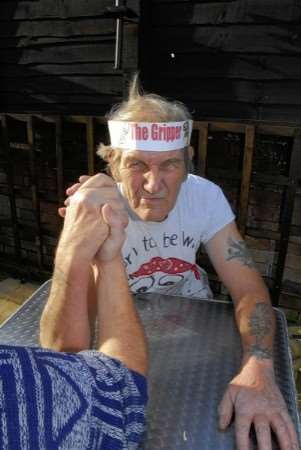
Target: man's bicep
233 262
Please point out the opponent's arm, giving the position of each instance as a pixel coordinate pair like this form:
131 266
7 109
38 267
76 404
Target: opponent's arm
65 323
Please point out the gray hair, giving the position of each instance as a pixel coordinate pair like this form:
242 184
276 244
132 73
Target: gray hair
143 108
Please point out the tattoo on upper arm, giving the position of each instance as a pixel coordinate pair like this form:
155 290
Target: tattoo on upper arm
260 326
238 250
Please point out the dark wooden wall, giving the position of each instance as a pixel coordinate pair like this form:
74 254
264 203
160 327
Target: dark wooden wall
58 55
228 59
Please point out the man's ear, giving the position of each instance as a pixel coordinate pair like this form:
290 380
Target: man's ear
113 165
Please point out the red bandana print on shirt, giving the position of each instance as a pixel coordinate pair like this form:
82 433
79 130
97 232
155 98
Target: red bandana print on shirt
171 266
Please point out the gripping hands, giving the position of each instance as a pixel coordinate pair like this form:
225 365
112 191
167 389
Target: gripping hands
95 219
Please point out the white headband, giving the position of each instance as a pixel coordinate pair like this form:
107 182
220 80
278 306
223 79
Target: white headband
150 136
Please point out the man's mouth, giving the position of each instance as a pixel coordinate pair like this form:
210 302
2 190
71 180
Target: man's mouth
151 199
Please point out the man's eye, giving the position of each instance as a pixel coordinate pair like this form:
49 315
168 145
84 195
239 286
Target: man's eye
136 165
171 164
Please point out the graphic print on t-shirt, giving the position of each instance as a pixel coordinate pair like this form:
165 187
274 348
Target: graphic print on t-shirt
167 265
163 273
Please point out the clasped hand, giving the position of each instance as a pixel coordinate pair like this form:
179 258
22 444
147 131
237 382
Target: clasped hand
95 219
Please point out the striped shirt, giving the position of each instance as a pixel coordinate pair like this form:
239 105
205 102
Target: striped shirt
67 401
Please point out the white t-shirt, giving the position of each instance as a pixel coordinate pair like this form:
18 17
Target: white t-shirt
161 256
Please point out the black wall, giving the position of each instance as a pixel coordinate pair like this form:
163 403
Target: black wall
228 59
225 59
58 55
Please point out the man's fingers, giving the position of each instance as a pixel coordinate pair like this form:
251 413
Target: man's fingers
84 178
263 433
282 432
115 219
291 429
99 180
62 211
242 431
72 189
225 411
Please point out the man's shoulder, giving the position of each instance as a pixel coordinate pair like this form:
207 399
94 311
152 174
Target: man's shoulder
199 183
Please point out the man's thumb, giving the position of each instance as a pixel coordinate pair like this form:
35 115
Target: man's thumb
113 218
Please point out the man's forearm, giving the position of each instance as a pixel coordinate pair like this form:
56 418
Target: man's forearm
120 331
64 323
256 323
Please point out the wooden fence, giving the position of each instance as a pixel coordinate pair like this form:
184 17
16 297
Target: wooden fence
202 132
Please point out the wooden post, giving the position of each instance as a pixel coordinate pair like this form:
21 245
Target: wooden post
287 213
246 178
11 192
90 145
35 189
202 148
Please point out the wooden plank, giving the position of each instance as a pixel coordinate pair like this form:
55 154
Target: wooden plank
130 61
97 52
257 11
51 101
291 301
232 127
75 69
282 92
289 114
100 104
28 270
201 167
274 39
59 161
275 130
10 186
26 43
56 9
262 234
287 213
235 110
35 189
66 85
261 93
235 175
90 145
86 26
24 118
232 66
278 180
210 90
246 178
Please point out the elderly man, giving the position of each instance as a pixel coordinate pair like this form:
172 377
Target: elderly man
80 399
172 212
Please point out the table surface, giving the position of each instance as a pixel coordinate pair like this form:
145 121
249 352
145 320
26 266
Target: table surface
194 352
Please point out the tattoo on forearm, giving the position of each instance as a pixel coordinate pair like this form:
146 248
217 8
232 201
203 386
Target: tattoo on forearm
238 250
260 325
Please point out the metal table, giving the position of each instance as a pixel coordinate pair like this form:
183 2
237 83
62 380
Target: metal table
194 352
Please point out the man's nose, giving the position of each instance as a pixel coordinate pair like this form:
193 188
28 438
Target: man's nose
152 181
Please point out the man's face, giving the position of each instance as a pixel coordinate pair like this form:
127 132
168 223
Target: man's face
151 181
